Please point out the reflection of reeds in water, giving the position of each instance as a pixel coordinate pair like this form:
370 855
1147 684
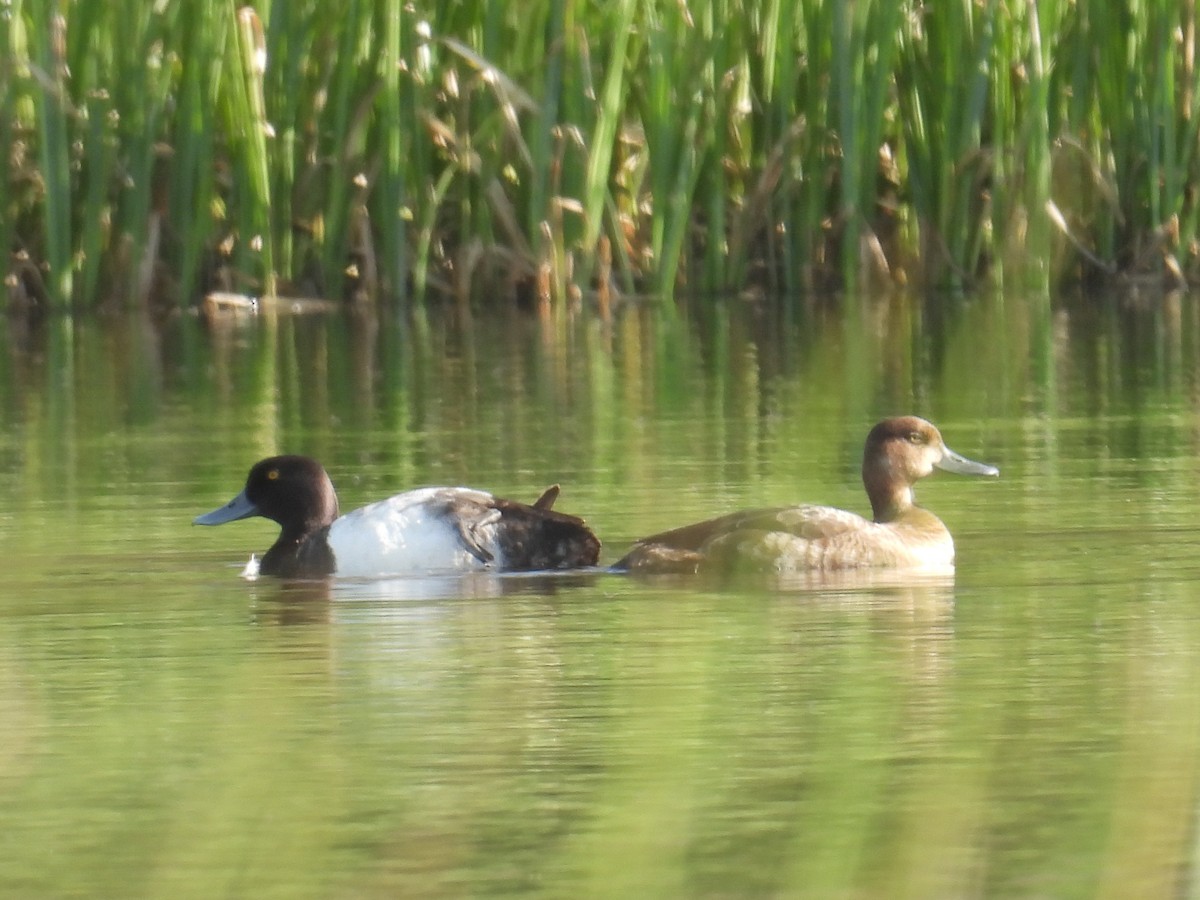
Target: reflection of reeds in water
753 407
489 152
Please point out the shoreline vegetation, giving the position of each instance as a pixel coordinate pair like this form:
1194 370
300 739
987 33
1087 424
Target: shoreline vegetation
559 152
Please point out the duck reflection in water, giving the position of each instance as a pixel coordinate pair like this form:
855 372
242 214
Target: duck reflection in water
309 601
901 535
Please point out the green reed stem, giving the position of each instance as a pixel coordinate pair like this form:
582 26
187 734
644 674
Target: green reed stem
192 189
608 116
50 108
391 192
8 118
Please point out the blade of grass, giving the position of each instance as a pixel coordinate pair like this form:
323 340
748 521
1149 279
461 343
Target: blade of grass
608 116
54 135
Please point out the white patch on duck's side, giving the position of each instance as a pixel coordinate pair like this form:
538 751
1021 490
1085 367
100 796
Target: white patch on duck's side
934 556
425 530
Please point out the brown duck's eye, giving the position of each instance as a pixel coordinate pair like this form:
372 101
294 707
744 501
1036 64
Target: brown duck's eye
273 475
915 437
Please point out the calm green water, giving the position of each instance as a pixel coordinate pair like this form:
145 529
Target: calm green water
1031 728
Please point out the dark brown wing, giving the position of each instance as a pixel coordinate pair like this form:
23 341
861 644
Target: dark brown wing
536 537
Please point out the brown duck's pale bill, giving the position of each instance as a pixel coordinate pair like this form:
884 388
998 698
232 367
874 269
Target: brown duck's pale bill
239 507
960 465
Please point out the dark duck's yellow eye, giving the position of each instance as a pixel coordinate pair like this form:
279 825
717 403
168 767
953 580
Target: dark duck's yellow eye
273 475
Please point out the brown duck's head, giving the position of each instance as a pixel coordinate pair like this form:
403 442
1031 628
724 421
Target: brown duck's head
899 452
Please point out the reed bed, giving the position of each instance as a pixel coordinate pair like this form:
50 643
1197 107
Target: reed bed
555 151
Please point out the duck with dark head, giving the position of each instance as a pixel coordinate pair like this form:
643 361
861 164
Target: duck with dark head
435 529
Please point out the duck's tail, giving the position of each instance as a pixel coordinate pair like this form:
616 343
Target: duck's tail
536 537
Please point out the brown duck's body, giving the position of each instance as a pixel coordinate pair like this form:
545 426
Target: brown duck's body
794 539
808 538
